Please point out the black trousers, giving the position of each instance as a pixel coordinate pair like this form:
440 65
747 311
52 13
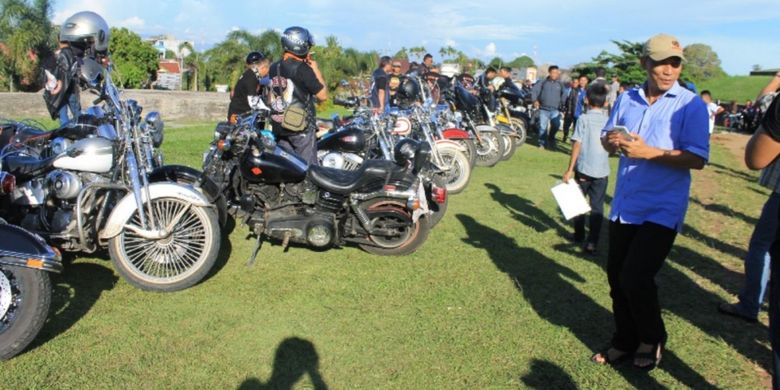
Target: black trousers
304 144
595 189
570 122
636 254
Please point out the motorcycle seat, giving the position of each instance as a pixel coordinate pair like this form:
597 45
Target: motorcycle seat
26 166
343 182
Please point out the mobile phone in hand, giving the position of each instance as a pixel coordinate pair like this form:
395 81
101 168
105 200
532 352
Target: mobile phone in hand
623 131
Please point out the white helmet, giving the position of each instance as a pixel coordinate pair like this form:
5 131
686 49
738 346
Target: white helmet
86 27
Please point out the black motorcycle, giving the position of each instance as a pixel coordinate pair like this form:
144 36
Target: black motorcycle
382 206
25 288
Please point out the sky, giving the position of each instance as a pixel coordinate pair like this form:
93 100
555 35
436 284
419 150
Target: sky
565 32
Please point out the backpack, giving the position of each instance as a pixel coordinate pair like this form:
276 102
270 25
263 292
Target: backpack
49 73
287 111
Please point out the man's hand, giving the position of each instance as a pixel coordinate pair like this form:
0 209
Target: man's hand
636 148
567 176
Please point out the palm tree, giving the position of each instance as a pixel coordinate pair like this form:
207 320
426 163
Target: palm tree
191 63
418 52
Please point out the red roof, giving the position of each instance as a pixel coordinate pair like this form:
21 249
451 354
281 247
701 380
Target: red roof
170 67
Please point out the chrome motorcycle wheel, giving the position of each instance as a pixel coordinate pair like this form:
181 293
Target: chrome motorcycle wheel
25 295
520 127
490 149
398 237
457 171
176 261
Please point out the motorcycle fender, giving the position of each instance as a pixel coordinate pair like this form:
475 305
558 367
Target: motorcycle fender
127 205
486 129
448 143
20 248
184 174
456 134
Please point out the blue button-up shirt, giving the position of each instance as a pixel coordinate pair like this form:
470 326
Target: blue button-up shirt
648 191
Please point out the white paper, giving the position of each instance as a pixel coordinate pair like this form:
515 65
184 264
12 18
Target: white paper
570 199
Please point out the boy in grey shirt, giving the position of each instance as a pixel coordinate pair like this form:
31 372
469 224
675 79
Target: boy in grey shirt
589 165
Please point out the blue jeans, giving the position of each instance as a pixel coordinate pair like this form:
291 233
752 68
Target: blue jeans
757 260
774 314
73 105
552 117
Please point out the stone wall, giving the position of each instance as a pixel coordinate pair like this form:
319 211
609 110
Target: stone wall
173 105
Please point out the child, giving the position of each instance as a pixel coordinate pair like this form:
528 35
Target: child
589 164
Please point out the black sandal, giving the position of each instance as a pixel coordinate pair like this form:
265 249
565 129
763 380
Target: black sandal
654 356
604 353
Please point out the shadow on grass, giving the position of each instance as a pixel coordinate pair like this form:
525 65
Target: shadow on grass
722 169
74 292
726 211
714 243
547 375
295 357
525 212
547 287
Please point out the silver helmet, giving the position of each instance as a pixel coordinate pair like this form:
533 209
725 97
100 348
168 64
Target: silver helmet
86 27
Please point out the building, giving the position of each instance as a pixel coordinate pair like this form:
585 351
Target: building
164 43
169 75
765 72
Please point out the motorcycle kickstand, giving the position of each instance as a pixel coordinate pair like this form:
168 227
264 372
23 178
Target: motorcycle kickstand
255 251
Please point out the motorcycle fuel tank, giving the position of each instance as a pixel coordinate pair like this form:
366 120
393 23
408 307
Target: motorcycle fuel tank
351 139
88 155
274 167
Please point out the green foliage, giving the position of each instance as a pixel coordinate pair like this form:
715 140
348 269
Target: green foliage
523 61
25 31
135 61
625 64
170 55
735 88
496 62
702 63
402 54
418 52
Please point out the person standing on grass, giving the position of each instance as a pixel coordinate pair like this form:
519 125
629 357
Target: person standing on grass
614 87
712 109
589 165
548 96
667 138
569 105
758 257
762 149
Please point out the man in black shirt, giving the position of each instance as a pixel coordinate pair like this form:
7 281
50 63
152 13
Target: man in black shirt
379 91
246 96
308 85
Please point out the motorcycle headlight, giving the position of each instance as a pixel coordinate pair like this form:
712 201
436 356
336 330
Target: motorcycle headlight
155 126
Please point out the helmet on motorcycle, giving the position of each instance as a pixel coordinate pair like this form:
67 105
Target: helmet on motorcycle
254 57
86 28
297 40
405 150
408 91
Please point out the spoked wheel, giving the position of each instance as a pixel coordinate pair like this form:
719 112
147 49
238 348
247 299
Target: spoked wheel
457 171
509 147
489 149
25 295
393 234
471 150
176 261
520 127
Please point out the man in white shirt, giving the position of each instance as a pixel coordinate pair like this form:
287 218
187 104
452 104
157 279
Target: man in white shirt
712 109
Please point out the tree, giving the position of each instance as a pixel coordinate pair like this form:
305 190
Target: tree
135 61
25 32
447 52
702 63
402 54
496 62
625 65
523 61
170 55
192 63
418 52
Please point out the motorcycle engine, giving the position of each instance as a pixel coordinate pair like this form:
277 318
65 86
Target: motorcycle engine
63 185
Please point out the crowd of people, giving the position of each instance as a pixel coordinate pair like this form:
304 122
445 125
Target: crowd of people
661 130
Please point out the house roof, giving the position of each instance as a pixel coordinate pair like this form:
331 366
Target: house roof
170 67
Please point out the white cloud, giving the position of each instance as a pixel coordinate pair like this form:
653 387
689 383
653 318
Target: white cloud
132 22
490 50
450 42
99 7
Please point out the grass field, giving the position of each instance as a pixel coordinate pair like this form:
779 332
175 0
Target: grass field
736 88
497 298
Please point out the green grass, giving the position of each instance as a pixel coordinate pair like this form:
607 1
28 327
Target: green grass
736 88
496 298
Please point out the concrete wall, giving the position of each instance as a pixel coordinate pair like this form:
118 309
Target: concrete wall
173 105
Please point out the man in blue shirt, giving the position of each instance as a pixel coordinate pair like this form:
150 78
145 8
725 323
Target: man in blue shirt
379 89
667 137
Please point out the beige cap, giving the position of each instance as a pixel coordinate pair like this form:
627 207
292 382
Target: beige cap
663 46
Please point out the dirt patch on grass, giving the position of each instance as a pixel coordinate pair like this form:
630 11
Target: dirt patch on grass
734 143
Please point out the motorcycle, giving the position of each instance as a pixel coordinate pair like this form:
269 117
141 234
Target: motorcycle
104 187
382 206
25 288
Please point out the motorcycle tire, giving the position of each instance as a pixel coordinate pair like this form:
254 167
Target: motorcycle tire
471 150
408 242
457 171
438 210
489 149
173 263
509 147
520 126
27 296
